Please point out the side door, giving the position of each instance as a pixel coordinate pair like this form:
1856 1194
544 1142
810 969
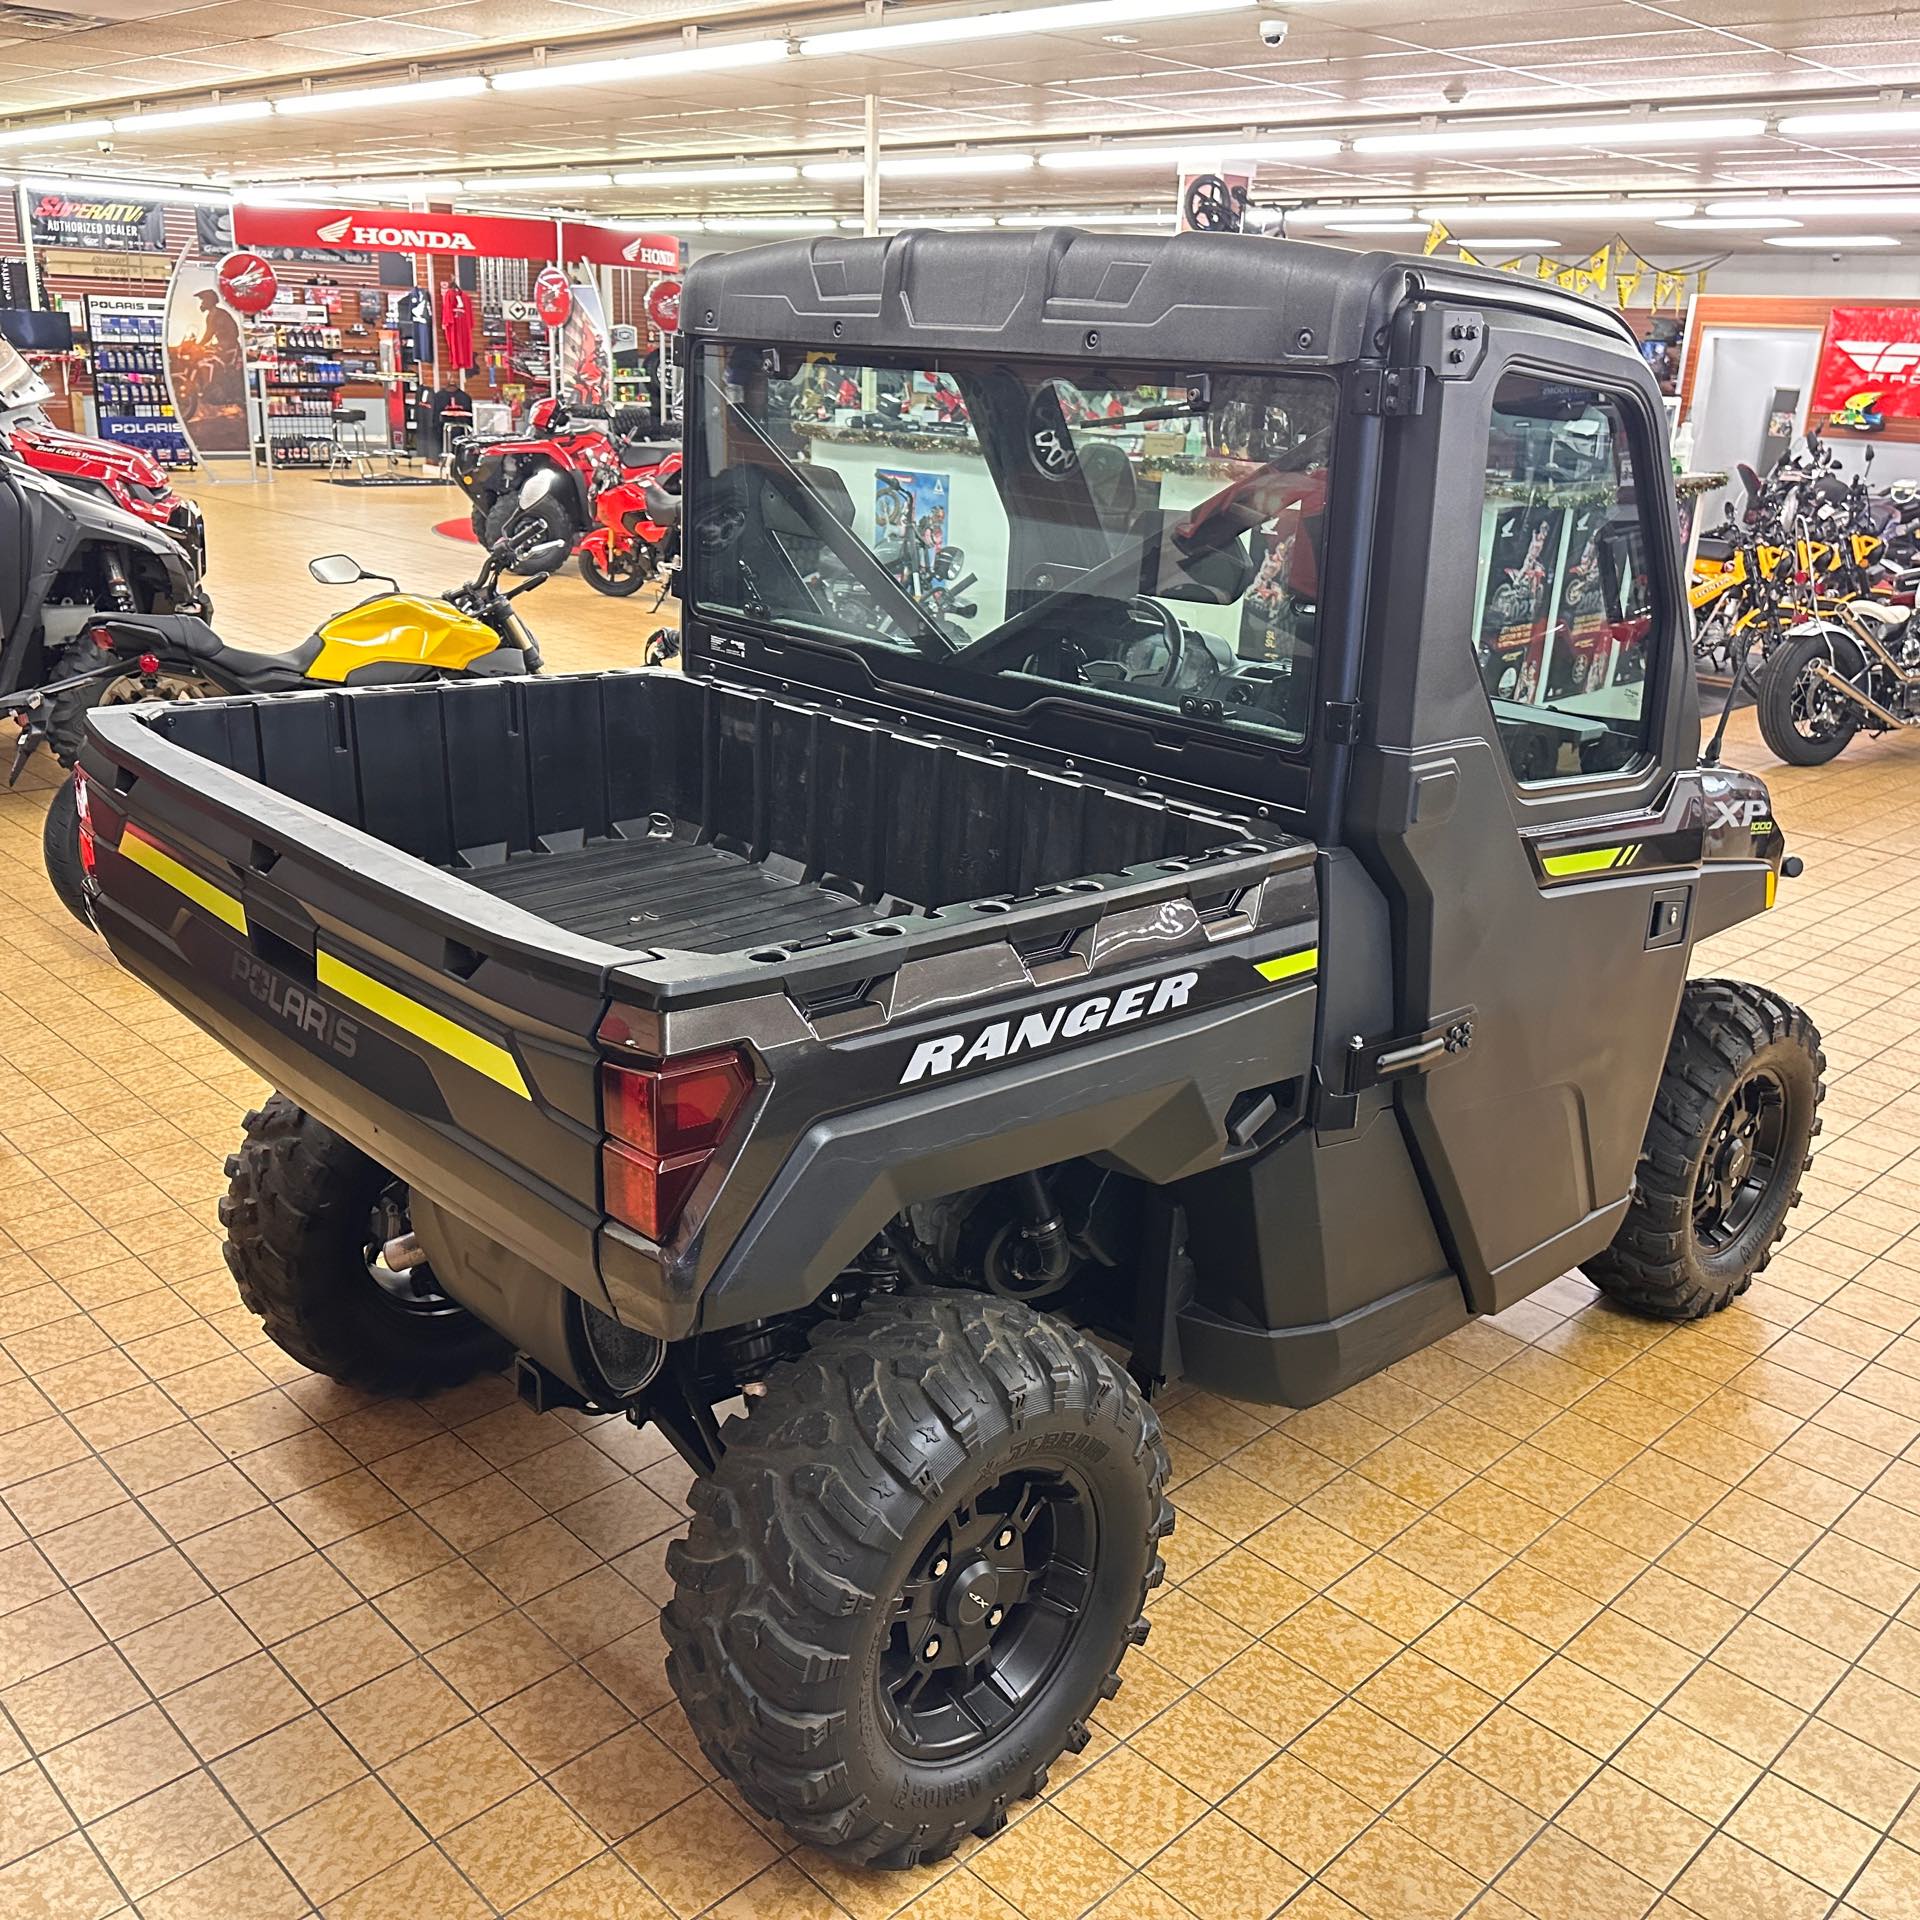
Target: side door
1529 711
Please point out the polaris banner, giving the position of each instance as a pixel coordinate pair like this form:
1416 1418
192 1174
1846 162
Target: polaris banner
492 236
1869 371
96 225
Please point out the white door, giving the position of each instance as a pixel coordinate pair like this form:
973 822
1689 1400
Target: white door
1741 368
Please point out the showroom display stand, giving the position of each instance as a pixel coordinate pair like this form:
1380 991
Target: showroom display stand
132 402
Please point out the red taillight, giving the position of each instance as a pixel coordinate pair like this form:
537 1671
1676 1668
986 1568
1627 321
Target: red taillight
663 1124
89 854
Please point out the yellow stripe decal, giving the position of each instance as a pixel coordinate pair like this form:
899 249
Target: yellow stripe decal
1288 966
1592 860
1773 885
402 1010
183 880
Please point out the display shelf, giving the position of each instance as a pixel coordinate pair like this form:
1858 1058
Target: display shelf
132 403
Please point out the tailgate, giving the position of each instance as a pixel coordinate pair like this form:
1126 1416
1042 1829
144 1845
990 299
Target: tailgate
447 1033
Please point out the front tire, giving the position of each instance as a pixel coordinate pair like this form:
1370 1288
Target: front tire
305 1214
915 1572
60 849
1806 721
1732 1127
615 585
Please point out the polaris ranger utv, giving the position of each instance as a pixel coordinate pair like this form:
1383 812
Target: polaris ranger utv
1243 942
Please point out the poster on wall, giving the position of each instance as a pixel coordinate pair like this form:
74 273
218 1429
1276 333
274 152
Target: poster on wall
97 225
1513 619
910 507
206 362
1869 369
585 370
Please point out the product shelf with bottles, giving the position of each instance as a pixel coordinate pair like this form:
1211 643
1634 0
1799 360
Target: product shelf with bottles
131 400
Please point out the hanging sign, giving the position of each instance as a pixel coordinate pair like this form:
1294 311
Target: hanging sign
499 236
1869 368
663 305
552 297
97 225
608 247
246 282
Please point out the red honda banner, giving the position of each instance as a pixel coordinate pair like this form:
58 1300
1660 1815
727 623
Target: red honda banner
1869 370
499 236
608 247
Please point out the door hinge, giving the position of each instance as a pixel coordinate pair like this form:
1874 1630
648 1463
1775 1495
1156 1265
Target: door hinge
1390 391
1340 723
1369 1062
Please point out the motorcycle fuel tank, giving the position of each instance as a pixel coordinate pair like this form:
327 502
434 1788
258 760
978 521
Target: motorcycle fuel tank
405 629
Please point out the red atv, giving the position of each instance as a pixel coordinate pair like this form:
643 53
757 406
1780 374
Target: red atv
636 532
573 441
103 468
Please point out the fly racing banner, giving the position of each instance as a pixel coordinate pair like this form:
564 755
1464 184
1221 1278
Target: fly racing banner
1869 371
97 225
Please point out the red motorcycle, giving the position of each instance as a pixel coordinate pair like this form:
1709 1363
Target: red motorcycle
562 437
636 532
104 468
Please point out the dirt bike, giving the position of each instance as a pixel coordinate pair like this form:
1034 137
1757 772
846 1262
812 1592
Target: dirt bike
1854 665
125 643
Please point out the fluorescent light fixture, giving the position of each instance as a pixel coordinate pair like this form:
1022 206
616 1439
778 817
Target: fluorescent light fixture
534 182
900 223
1888 206
1325 216
1553 213
1751 223
1204 152
351 99
1836 242
922 166
152 190
194 116
1854 120
1376 226
771 223
1655 130
327 193
47 136
667 58
989 26
743 176
1503 245
1108 218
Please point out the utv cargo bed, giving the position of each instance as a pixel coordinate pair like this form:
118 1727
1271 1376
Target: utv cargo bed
429 913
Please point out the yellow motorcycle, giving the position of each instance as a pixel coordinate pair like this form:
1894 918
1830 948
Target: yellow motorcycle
124 656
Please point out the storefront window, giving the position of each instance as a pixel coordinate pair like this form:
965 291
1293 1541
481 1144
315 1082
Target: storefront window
1567 605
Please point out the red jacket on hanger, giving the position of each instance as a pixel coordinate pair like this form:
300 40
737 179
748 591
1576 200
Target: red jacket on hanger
456 324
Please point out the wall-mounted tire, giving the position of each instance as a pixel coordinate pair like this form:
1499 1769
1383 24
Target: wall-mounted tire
1742 1086
299 1217
884 1486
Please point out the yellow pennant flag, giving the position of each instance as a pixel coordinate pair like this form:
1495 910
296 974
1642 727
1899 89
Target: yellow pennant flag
1570 278
1437 237
1467 259
1666 286
1548 269
1597 265
1625 286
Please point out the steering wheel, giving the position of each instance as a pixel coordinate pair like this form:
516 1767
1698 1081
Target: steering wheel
1171 629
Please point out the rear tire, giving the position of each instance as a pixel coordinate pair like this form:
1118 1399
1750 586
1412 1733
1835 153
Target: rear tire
616 586
302 1218
60 849
1806 725
1731 1131
931 1460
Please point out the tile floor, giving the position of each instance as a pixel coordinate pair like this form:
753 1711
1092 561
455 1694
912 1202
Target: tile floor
1573 1617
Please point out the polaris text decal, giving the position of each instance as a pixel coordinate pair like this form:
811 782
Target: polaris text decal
1072 1020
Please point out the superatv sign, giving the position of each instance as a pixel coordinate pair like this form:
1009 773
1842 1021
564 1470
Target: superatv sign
99 226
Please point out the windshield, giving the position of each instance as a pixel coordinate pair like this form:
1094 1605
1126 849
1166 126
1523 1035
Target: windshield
1010 530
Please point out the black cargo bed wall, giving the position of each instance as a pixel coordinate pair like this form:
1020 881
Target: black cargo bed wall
469 774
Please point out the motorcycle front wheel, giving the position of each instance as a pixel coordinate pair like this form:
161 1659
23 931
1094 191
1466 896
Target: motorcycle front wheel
629 572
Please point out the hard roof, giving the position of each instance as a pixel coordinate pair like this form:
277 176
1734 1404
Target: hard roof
1213 299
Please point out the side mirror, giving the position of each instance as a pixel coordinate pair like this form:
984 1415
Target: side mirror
541 486
335 569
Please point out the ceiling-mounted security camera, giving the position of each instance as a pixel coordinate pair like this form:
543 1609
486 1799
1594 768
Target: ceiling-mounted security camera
1273 33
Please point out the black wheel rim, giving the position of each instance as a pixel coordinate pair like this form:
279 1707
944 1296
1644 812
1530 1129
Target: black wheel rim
409 1290
1816 706
988 1613
1741 1163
